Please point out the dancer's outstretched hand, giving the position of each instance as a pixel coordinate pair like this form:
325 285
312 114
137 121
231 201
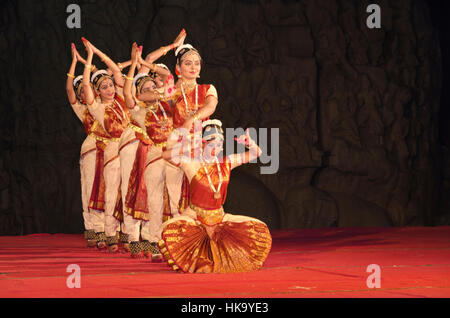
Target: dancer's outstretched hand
74 52
245 139
134 52
79 58
88 46
93 48
180 38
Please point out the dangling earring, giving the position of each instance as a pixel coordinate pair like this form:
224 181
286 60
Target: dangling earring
178 73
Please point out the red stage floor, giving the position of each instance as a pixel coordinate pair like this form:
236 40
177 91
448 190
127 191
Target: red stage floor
414 262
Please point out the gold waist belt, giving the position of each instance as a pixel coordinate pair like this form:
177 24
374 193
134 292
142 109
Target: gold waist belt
138 130
208 217
160 144
102 139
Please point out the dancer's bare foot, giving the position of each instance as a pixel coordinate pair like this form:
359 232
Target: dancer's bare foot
101 240
102 245
125 248
125 245
113 248
157 258
155 252
91 238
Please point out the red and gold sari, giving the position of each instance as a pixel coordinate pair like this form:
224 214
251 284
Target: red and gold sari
237 244
95 131
180 114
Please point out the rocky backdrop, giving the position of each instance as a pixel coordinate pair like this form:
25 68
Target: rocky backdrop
358 110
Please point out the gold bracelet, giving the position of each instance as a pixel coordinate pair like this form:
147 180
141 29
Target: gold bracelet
129 78
70 75
164 50
92 68
120 66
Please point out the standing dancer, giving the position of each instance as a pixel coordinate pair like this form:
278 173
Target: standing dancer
110 111
91 159
205 239
136 144
192 101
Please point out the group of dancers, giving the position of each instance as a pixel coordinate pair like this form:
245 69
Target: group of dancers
153 177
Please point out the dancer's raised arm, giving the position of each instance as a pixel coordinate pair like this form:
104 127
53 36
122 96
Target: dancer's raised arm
71 95
88 91
83 61
112 66
153 56
127 88
121 65
146 67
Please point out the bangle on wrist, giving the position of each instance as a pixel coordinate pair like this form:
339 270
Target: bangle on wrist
128 78
164 50
120 66
70 75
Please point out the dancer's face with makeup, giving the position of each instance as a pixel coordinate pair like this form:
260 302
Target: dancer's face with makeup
190 66
213 147
148 87
107 90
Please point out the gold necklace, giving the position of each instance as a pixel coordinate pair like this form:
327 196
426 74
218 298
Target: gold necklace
188 111
161 122
217 194
189 86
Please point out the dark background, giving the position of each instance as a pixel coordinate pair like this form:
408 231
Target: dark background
363 114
